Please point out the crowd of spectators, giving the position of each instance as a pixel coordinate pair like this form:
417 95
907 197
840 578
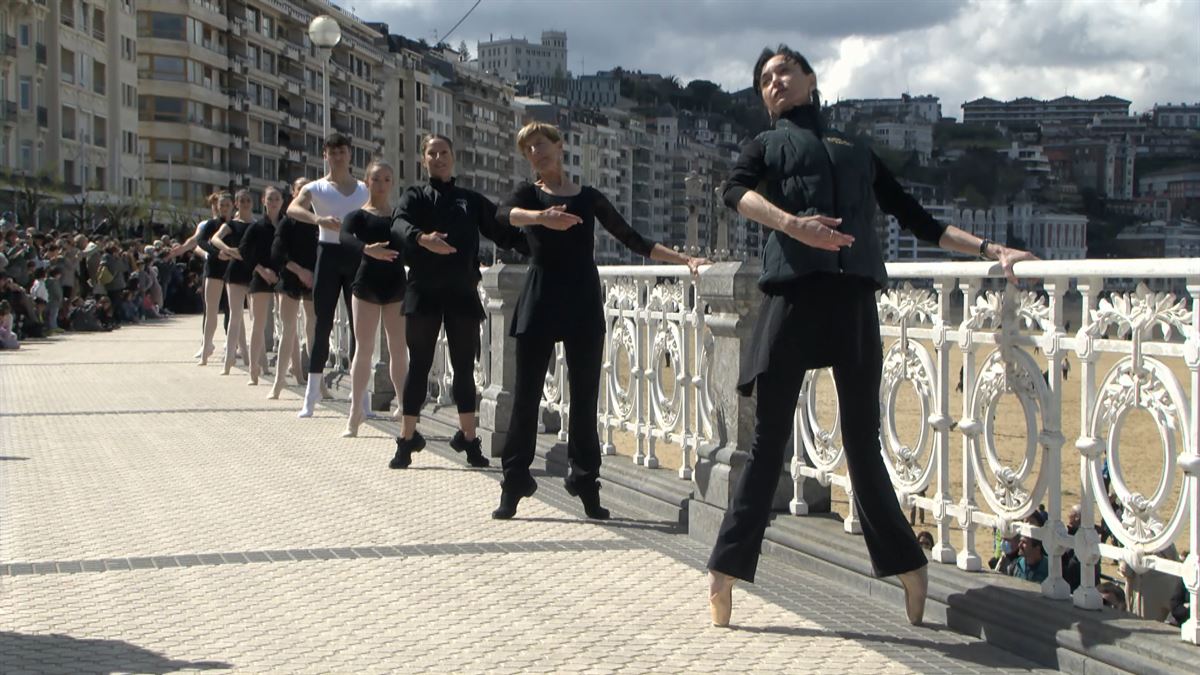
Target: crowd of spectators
53 281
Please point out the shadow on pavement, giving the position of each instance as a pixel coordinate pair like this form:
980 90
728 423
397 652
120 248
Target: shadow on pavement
975 651
663 526
13 459
63 653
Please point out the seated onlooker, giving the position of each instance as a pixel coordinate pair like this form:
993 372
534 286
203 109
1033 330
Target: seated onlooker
1032 564
1112 595
1149 593
925 539
1072 568
1179 604
8 339
1006 561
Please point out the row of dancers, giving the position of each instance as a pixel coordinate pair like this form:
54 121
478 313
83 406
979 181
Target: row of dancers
814 189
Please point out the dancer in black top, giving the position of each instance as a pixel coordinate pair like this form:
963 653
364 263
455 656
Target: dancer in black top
237 275
255 249
440 224
817 191
324 202
561 302
294 251
221 204
378 289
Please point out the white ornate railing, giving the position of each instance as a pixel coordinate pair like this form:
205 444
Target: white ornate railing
1013 343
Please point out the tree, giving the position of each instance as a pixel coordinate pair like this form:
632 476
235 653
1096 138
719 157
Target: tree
30 194
464 53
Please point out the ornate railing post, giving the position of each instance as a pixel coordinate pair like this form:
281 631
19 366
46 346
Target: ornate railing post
502 283
941 420
1189 461
968 558
1052 438
1087 539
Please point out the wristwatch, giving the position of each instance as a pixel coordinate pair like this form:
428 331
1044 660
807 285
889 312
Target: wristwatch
983 244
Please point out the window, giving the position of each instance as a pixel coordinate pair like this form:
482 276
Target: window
128 49
27 155
270 132
162 25
129 143
23 35
68 123
163 150
128 96
167 68
67 65
25 93
100 132
99 77
160 109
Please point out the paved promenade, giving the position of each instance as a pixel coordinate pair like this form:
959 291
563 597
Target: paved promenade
157 517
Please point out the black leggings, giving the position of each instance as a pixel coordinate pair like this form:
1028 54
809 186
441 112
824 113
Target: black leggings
336 267
584 354
462 339
890 541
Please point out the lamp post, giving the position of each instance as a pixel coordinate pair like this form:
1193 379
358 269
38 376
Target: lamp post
325 34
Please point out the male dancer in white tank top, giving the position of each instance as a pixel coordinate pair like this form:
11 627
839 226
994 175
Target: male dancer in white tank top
324 202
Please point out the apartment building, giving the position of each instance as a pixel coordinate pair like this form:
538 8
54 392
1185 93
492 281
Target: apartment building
1030 112
231 94
68 93
516 59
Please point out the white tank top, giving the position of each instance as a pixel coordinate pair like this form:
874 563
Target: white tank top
327 200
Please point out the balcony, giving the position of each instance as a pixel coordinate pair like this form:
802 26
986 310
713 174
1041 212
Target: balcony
43 117
291 121
295 156
291 86
39 50
238 142
291 52
239 102
8 47
8 112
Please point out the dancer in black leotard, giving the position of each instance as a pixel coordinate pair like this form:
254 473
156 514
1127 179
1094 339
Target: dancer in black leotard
324 202
440 224
378 289
237 275
255 249
221 204
294 251
561 302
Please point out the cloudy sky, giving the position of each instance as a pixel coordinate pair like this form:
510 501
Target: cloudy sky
1146 51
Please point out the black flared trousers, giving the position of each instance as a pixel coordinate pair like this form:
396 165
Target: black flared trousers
890 540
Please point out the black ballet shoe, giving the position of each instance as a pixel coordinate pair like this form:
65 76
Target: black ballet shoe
473 448
589 494
405 449
509 501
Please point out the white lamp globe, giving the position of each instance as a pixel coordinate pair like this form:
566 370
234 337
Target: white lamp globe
325 32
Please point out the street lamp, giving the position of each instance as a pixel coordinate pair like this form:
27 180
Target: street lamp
325 34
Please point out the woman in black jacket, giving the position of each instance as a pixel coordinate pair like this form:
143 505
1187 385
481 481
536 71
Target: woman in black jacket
440 224
294 253
561 302
255 249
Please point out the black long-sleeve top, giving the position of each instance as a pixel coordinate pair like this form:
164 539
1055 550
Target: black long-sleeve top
207 229
294 242
239 271
562 288
256 244
751 169
361 227
447 283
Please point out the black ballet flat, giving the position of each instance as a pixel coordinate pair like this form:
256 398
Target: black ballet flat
589 495
509 501
474 450
405 449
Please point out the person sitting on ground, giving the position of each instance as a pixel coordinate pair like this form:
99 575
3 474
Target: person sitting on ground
1032 564
1006 560
925 539
1179 605
1112 595
1149 593
8 338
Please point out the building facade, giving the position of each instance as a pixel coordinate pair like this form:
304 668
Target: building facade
516 59
1030 112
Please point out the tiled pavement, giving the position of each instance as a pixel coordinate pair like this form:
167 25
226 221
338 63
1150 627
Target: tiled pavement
156 517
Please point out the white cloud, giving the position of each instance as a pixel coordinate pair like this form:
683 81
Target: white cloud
1145 51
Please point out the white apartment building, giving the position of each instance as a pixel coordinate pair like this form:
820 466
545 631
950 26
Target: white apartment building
516 59
907 137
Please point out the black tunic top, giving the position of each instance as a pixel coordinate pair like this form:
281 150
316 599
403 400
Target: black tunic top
822 318
214 267
294 242
447 283
377 281
239 271
255 248
562 288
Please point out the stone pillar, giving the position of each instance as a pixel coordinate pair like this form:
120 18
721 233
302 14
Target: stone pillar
503 283
731 292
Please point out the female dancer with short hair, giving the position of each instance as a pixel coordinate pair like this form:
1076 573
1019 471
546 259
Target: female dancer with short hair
561 302
255 249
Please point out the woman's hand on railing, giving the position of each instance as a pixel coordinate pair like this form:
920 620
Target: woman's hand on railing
380 251
435 242
1007 257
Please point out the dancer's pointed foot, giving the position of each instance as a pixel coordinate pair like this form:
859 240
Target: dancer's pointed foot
311 392
589 494
473 448
509 500
275 391
916 589
720 597
352 424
